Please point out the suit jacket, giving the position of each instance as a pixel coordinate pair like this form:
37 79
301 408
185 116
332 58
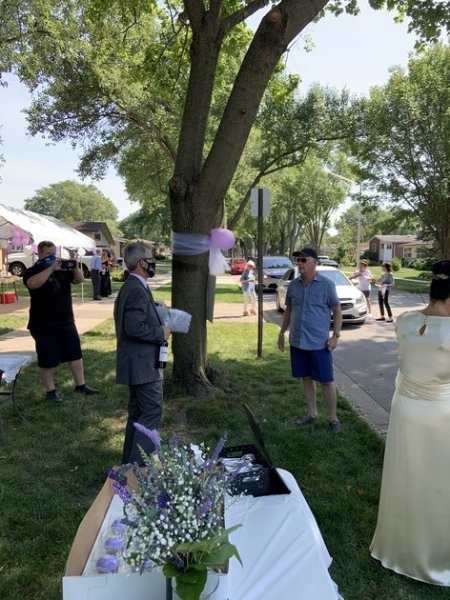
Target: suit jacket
139 334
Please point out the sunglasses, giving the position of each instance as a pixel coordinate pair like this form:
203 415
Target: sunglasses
301 259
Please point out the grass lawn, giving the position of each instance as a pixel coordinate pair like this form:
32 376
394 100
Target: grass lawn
55 460
229 293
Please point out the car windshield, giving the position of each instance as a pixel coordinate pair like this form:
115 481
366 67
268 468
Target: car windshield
276 262
336 277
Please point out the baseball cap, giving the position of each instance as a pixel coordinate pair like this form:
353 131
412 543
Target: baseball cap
306 252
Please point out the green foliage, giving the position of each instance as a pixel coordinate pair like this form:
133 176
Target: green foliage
407 147
396 264
118 274
72 201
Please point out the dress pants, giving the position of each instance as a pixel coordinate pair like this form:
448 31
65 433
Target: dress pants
145 407
95 278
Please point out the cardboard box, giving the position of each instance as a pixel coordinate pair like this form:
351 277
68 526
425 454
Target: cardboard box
116 586
7 297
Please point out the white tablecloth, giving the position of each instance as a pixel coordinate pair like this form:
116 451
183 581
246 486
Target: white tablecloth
281 547
11 364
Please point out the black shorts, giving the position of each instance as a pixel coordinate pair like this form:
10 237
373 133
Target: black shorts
57 345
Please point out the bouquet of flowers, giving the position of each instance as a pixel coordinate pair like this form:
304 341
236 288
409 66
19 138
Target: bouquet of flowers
175 513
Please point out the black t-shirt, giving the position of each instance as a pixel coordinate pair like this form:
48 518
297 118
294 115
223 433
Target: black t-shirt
51 304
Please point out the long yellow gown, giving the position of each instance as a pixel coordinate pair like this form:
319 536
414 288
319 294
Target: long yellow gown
412 536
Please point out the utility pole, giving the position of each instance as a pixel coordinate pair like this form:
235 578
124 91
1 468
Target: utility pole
358 226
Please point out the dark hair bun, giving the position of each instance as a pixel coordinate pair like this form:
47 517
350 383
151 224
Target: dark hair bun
441 267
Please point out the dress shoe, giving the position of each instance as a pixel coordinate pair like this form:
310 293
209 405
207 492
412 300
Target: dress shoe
335 426
380 319
85 389
53 396
97 298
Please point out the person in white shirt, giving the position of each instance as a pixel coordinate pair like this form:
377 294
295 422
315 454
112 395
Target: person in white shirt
248 283
363 278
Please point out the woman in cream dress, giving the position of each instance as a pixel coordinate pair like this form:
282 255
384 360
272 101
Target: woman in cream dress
412 536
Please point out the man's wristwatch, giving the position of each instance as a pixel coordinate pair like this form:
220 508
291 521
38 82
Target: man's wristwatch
336 335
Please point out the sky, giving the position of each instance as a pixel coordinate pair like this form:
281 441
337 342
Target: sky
352 52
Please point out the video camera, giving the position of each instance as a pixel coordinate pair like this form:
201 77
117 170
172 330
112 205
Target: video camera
68 265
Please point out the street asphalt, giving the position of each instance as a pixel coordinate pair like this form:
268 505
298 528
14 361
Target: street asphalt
365 361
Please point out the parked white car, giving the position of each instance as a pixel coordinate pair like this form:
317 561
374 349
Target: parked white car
353 303
17 262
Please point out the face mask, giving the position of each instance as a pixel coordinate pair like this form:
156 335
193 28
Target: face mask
150 268
47 261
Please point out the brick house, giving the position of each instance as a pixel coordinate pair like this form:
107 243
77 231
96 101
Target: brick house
401 246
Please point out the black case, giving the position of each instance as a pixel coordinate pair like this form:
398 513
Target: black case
266 482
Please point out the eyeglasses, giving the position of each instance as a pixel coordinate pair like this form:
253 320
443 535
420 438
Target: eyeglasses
149 261
301 259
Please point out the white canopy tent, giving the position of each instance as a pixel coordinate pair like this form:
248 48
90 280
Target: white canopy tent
40 227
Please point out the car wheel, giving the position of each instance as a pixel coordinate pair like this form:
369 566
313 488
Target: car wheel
17 269
279 308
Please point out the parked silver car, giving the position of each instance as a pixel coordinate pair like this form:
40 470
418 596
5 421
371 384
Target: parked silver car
274 267
353 303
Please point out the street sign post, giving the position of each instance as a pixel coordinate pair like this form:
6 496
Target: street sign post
260 207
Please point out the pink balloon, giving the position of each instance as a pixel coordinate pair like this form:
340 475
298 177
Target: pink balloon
222 238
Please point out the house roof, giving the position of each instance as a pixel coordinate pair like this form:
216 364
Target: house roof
92 227
396 239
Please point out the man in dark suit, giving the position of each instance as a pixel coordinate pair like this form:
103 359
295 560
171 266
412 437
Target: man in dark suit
140 334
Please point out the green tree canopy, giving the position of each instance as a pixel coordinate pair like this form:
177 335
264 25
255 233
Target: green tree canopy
406 150
72 201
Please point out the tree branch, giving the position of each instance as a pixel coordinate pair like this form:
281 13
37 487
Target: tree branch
241 15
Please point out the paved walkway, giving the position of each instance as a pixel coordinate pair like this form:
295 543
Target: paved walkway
365 360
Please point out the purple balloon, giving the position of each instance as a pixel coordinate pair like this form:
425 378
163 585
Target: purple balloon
222 238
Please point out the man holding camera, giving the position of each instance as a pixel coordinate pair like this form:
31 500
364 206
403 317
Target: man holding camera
52 322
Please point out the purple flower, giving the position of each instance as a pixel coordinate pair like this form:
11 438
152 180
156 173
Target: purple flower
204 508
124 493
118 476
163 499
151 433
173 444
220 444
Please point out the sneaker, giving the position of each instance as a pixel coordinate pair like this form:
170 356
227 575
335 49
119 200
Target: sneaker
391 320
308 420
85 389
335 426
245 313
380 319
53 396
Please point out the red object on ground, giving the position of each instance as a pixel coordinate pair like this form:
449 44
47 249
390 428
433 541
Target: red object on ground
7 297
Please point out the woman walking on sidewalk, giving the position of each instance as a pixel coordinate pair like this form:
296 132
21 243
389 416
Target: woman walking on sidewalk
384 287
248 282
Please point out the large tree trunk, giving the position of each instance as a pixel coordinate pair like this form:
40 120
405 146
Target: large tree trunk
197 189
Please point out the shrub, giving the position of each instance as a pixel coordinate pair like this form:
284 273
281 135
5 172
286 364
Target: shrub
396 264
427 275
422 264
118 274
